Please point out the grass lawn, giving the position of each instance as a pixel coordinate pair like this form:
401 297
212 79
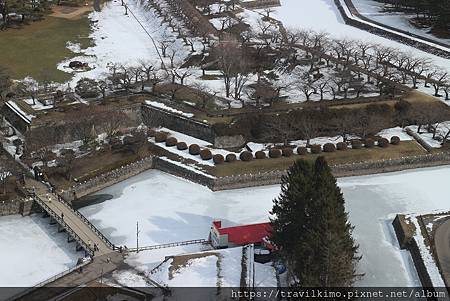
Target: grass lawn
406 148
35 49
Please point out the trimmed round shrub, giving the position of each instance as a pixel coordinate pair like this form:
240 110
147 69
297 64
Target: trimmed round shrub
194 149
301 150
329 148
274 153
369 143
395 140
246 156
230 158
356 144
383 142
171 141
218 159
341 146
160 137
287 152
206 154
316 149
151 132
260 155
182 146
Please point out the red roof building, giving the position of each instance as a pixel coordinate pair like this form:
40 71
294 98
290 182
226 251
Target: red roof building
239 235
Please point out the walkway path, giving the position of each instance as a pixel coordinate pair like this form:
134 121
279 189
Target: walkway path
71 220
442 244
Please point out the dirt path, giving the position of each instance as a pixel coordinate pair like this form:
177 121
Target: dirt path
71 13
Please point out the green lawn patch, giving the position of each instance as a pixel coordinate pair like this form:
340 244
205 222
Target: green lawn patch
36 49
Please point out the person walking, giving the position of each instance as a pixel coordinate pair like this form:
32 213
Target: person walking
62 215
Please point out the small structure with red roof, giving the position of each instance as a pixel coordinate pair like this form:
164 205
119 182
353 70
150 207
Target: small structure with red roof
256 234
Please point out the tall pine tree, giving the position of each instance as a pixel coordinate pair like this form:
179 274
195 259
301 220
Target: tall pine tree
311 228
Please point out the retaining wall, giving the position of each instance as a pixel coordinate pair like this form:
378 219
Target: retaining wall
155 117
107 179
386 31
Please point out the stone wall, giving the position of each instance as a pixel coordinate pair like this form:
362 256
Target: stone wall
155 117
10 207
261 4
107 179
343 170
17 206
407 37
173 168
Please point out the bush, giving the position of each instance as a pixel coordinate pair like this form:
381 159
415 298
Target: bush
171 141
160 137
182 146
218 159
260 155
395 140
151 133
383 142
194 149
230 158
329 148
341 146
316 149
287 152
246 156
205 154
274 153
369 143
301 150
356 144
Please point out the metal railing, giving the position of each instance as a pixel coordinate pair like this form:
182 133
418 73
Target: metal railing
54 215
88 223
48 280
168 245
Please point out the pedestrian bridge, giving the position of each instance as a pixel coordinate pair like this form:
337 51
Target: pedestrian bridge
77 226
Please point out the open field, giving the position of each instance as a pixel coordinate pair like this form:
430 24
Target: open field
36 49
405 148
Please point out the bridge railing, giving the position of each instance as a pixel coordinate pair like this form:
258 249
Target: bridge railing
48 280
168 245
88 223
61 221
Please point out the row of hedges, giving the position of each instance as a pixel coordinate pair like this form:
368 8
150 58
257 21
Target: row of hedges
247 156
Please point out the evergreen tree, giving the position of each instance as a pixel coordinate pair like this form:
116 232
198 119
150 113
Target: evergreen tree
311 229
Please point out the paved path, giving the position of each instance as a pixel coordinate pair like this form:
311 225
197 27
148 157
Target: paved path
101 265
442 244
71 219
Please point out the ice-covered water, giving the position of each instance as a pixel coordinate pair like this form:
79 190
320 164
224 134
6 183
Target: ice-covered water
170 209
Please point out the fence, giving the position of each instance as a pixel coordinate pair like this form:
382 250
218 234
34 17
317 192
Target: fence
64 225
48 280
89 224
168 245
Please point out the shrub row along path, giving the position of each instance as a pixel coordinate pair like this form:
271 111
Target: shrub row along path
442 244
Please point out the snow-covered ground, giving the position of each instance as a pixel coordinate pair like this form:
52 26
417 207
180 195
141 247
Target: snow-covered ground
170 209
375 11
32 251
120 39
323 16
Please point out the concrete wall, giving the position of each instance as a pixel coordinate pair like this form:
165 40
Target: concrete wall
17 206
